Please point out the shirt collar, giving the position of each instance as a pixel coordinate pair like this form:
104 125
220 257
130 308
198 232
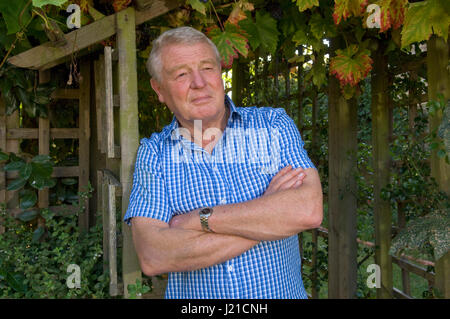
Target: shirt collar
171 129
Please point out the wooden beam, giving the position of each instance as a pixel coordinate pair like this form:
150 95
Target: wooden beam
33 133
47 55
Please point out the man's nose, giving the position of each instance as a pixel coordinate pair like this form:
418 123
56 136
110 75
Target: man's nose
198 80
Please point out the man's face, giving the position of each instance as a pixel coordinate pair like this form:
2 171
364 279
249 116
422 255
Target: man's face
191 83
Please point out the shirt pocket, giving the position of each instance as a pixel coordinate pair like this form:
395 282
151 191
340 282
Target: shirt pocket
189 187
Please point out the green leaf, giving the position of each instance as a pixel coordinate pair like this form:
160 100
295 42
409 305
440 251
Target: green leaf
229 42
69 181
3 156
41 159
16 282
11 11
28 199
16 184
41 3
424 19
37 234
198 6
25 171
321 27
28 215
42 182
14 166
42 170
306 4
263 32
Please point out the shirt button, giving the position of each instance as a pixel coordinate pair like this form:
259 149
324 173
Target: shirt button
223 201
215 169
230 268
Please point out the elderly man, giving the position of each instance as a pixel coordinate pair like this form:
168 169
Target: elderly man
220 194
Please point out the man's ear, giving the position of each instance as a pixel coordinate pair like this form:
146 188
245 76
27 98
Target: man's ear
157 88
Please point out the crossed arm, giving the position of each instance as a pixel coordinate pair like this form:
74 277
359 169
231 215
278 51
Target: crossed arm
292 203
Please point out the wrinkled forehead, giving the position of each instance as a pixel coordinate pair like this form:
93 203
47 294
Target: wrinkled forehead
174 55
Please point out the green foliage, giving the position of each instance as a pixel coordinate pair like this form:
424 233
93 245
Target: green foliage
18 87
424 19
262 32
34 259
138 289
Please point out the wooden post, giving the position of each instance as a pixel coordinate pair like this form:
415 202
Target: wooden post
237 82
342 249
381 163
3 149
439 82
84 138
129 133
44 147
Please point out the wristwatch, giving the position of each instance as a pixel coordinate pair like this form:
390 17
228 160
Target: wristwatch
204 214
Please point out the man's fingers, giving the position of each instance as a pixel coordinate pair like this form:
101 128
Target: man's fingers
285 176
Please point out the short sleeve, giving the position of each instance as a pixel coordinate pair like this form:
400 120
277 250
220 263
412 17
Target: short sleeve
290 142
148 196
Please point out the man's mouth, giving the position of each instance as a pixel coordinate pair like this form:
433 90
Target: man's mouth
201 99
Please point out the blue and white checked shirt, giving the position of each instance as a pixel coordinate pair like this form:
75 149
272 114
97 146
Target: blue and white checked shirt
174 175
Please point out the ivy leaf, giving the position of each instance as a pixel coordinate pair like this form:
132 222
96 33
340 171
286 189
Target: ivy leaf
28 215
392 13
343 9
351 65
263 32
17 184
424 19
28 199
41 3
306 4
37 234
14 166
197 6
229 42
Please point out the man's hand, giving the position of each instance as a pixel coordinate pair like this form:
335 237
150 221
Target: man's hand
286 178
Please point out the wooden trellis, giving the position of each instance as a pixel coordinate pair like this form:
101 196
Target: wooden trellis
11 134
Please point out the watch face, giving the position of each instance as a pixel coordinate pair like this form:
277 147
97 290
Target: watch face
206 211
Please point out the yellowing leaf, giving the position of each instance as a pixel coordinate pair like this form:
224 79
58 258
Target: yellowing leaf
351 65
238 12
306 4
120 4
392 13
229 42
343 9
424 19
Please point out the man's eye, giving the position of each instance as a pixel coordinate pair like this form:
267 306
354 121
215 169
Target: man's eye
181 75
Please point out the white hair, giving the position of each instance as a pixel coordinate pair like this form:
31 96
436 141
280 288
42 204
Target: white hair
181 35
